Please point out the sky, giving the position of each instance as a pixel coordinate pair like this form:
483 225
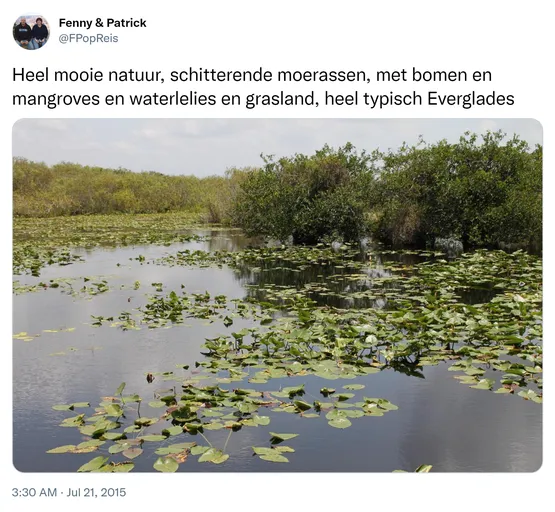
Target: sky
205 147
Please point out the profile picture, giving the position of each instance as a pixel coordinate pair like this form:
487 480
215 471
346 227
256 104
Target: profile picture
31 31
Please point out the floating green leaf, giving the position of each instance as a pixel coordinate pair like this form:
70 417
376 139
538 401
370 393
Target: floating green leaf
213 455
484 384
177 448
340 423
63 407
157 404
172 431
62 449
261 420
274 457
278 438
302 406
198 450
166 465
120 467
133 452
113 410
424 468
152 438
93 464
81 405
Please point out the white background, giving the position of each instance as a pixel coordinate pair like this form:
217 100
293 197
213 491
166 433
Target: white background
511 39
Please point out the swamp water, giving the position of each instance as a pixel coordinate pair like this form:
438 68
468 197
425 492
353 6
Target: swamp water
327 359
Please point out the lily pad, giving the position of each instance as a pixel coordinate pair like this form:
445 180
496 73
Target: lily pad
93 464
274 457
157 404
172 431
278 438
166 465
77 405
133 452
120 467
198 450
154 438
340 423
302 406
63 407
261 420
62 449
484 384
424 468
113 410
175 448
113 436
284 449
213 455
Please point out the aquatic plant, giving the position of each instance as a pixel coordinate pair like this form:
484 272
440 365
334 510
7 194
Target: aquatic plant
116 427
341 313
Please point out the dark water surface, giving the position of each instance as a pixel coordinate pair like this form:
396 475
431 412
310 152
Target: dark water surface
439 421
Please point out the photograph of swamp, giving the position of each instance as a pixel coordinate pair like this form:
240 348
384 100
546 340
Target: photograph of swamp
277 295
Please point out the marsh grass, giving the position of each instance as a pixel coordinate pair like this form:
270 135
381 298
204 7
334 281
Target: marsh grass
71 189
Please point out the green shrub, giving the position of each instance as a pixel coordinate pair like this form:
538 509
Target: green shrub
305 198
485 193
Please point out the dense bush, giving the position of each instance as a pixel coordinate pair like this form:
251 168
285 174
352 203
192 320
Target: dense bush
485 193
307 198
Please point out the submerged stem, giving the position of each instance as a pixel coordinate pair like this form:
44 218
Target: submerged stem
204 437
228 436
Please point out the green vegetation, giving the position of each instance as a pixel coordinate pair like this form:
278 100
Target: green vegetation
486 193
305 198
493 346
38 242
196 411
426 321
104 230
72 189
306 314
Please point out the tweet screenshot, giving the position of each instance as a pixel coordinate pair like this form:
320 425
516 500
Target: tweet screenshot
275 254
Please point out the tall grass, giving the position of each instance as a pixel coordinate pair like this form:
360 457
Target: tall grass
40 190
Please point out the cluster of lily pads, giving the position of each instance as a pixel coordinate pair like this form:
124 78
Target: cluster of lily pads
105 230
422 321
349 314
84 287
39 242
346 255
25 336
173 309
117 429
30 259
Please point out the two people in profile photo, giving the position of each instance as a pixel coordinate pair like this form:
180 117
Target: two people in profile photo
30 37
